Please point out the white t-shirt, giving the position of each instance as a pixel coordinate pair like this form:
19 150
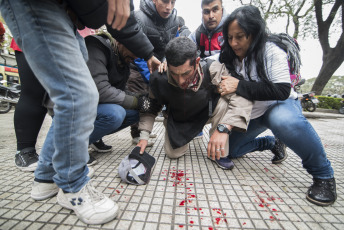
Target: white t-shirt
277 70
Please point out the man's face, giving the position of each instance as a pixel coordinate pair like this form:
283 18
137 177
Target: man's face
212 14
126 54
164 7
183 74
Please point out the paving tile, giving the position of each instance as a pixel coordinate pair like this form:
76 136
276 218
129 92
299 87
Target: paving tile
186 193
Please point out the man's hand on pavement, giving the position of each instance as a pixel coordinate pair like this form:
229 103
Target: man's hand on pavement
216 145
142 144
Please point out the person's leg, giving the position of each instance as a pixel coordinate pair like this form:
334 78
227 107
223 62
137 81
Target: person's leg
242 143
109 118
287 122
30 112
45 33
28 115
170 152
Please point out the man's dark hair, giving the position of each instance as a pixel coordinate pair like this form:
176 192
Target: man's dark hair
181 21
179 50
207 2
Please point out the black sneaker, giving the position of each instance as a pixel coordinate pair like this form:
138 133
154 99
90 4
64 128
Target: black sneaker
322 192
280 152
101 147
91 161
26 159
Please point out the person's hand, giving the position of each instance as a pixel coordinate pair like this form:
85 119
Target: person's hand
216 145
142 144
228 85
153 64
118 13
163 67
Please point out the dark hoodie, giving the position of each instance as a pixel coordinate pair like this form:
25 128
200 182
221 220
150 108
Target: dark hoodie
158 30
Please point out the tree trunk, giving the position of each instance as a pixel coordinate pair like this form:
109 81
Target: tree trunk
329 66
332 57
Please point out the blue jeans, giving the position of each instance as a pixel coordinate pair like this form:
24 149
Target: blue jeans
286 121
57 56
112 118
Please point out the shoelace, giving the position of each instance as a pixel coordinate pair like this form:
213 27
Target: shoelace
93 194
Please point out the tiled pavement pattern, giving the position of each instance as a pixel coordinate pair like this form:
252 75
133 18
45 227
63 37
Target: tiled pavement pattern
188 193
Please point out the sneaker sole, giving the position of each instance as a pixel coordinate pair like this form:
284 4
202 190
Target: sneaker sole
318 202
30 168
92 146
280 161
46 196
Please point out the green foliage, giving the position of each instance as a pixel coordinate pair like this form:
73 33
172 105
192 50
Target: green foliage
334 86
329 102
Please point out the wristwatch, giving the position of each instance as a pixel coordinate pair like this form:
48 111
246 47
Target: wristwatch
223 129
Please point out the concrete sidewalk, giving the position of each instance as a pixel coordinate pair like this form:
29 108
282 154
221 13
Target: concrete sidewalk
187 193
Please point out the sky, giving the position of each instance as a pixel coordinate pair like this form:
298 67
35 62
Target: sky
311 52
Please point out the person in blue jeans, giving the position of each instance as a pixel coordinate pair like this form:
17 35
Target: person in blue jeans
109 66
260 73
46 31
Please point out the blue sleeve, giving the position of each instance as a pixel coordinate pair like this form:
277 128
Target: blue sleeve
141 64
177 34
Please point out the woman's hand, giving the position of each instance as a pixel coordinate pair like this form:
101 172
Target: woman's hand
163 67
228 85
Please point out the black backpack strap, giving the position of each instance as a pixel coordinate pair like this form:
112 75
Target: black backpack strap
198 40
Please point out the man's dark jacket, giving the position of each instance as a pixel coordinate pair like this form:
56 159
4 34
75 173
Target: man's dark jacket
93 14
108 71
188 111
158 30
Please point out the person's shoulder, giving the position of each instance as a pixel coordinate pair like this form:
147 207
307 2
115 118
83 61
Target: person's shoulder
273 49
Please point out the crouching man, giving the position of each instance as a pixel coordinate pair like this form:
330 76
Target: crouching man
189 90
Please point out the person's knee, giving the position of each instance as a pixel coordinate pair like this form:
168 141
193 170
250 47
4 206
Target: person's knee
174 156
116 116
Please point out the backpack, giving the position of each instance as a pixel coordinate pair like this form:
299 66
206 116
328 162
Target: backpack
292 48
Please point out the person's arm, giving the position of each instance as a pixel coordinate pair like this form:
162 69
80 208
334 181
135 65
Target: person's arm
261 91
133 38
277 70
146 123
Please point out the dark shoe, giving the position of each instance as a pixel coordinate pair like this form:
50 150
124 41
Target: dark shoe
91 161
26 159
101 147
224 163
322 192
280 152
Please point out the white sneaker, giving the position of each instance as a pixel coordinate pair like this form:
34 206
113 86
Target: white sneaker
137 139
90 205
42 191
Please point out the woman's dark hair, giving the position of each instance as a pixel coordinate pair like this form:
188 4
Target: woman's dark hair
179 50
251 22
